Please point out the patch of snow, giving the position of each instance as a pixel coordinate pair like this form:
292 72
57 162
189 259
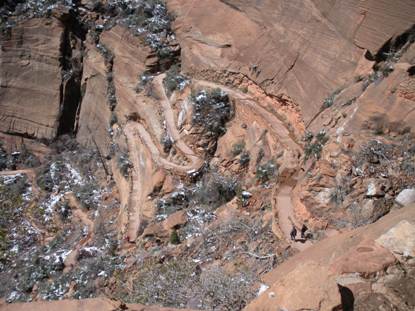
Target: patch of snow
246 194
262 289
103 274
9 179
14 295
76 177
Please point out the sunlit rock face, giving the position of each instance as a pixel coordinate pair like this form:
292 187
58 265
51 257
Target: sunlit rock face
205 154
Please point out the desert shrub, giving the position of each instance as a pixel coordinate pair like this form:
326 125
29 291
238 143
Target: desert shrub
179 283
21 158
314 145
124 164
244 159
11 201
340 191
169 283
219 290
265 172
214 190
372 77
174 237
175 201
167 143
113 119
238 148
329 101
211 111
260 156
174 80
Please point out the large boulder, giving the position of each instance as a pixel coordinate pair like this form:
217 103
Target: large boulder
400 239
406 197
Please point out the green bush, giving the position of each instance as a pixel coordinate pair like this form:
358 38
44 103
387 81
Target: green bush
266 171
174 79
244 159
314 147
174 237
238 148
212 110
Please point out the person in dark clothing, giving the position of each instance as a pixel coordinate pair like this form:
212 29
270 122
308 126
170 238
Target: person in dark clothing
304 229
293 233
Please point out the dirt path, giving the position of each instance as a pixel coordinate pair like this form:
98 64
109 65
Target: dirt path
143 151
285 211
284 205
171 123
141 175
79 213
31 175
275 123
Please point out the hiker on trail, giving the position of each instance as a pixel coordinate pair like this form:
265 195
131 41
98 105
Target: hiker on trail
293 233
304 229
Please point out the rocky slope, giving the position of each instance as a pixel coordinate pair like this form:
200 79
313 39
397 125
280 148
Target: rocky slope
160 153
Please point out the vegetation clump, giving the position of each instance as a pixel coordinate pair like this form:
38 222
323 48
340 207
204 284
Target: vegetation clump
265 172
174 80
180 283
329 101
238 148
244 158
18 159
167 143
211 111
314 145
174 237
124 164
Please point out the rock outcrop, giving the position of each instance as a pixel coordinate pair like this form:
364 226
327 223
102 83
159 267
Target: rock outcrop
351 268
195 153
94 304
305 49
30 78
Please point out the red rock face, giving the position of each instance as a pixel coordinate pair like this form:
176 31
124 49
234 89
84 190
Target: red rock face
232 145
305 49
31 79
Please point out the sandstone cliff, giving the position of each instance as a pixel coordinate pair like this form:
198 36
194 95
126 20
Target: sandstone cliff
165 153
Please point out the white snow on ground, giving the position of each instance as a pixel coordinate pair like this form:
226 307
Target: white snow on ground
49 204
58 256
262 289
9 179
76 178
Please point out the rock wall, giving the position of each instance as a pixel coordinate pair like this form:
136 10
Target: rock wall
30 78
305 49
362 263
95 114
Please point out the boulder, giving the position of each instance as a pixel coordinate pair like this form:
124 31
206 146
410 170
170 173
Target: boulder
406 197
400 239
375 188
